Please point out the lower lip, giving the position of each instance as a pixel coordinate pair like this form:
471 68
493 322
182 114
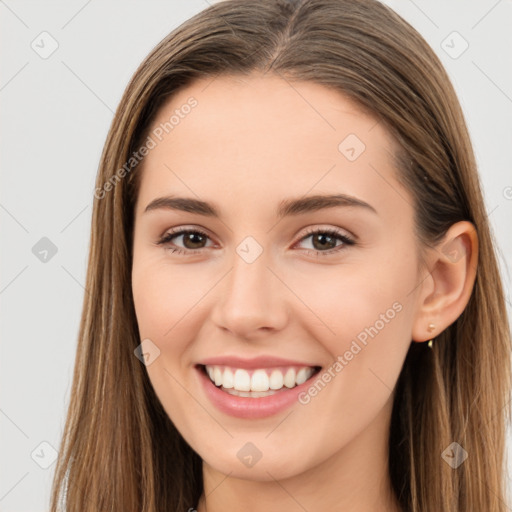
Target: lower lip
247 407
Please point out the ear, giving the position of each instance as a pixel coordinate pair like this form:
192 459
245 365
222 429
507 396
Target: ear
446 290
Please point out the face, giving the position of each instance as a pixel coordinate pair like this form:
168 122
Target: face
301 309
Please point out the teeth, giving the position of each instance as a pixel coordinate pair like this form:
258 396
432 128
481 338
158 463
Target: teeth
289 378
228 379
276 380
217 376
259 380
302 376
252 394
242 381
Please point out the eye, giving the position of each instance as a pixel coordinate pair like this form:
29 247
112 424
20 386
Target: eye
193 240
324 240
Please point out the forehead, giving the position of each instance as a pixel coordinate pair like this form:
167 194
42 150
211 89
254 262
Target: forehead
263 135
263 104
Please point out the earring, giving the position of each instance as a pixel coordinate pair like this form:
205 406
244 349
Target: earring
431 328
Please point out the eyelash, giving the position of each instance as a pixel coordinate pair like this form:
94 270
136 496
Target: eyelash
347 241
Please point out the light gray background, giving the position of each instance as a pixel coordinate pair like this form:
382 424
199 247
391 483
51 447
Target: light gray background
55 116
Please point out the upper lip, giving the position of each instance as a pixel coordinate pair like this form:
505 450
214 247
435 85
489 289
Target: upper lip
255 362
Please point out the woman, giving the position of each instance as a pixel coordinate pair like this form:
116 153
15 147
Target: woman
294 301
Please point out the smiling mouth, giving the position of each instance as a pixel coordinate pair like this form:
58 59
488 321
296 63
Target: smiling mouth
258 382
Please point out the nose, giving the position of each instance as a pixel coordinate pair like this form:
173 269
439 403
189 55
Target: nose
253 301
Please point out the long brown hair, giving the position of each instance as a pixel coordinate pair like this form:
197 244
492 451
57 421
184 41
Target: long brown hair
120 451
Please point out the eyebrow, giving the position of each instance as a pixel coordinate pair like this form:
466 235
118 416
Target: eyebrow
286 207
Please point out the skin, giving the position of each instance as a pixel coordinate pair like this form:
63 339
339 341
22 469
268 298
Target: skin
250 143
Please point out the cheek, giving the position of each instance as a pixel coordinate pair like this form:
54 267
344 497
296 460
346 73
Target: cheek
366 320
166 307
162 296
163 300
346 300
363 312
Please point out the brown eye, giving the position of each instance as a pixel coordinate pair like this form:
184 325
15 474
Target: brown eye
325 241
193 240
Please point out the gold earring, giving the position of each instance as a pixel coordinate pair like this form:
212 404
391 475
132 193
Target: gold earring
431 328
